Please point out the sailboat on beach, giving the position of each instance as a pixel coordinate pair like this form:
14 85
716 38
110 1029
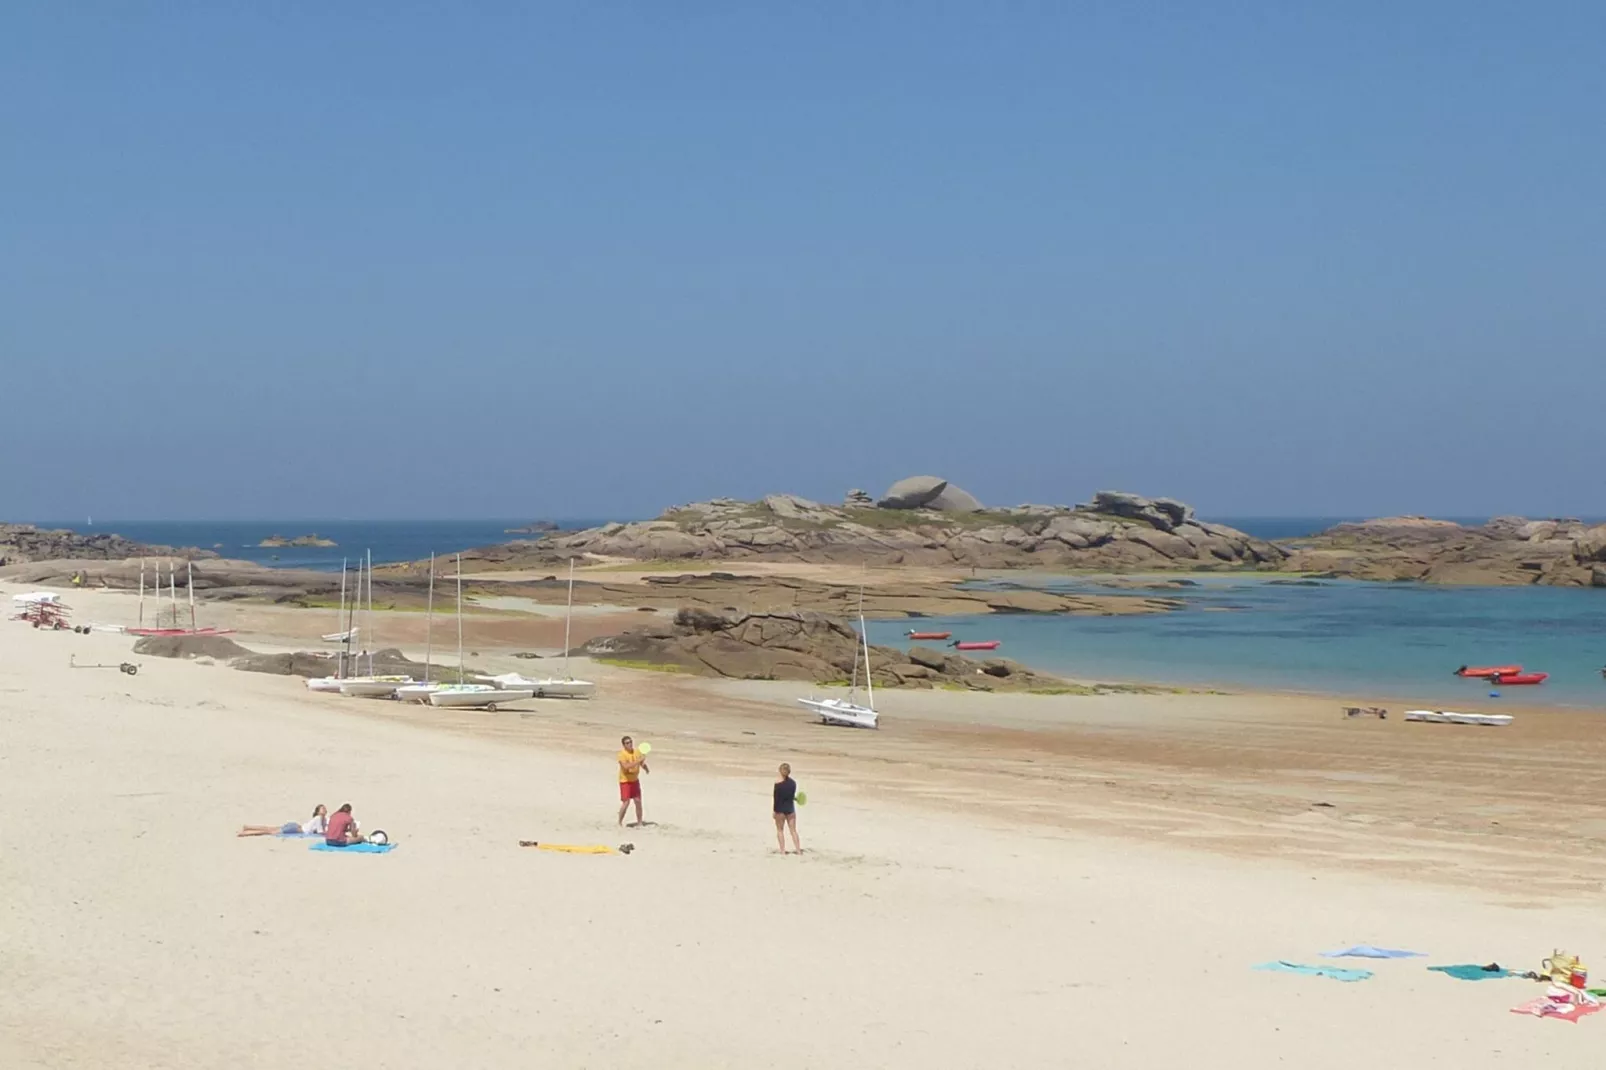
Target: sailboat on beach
420 692
370 686
554 687
472 696
847 713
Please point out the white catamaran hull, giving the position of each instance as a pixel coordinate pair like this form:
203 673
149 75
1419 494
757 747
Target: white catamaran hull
839 712
325 683
373 687
475 698
548 688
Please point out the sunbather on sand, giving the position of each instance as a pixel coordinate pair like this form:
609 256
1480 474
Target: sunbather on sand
342 830
314 827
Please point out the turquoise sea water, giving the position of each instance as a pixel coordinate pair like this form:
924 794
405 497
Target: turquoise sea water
1361 640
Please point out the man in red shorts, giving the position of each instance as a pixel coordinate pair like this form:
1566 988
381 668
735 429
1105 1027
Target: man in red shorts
631 766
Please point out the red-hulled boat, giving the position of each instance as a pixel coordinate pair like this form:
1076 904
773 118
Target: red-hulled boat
991 644
929 635
1516 679
1489 671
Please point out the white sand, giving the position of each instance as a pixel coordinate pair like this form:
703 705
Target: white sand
139 932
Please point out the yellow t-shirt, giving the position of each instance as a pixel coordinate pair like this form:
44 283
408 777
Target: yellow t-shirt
629 766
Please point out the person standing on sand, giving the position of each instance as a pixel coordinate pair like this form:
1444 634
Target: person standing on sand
786 809
631 766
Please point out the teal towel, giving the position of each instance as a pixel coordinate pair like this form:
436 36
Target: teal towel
1470 971
355 849
1337 973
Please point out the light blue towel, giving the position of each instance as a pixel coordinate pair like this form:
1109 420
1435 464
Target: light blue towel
1471 972
1337 973
356 848
1367 951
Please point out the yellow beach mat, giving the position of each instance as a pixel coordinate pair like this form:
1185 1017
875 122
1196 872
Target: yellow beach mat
580 848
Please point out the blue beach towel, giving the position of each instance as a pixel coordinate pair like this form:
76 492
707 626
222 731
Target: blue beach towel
1471 972
1337 973
355 849
1367 951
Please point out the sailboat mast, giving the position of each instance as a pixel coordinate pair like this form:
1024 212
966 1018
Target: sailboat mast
142 592
172 589
368 637
429 618
189 582
460 676
567 617
864 633
345 655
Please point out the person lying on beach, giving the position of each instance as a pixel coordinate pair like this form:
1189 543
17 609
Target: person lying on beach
314 827
342 830
786 809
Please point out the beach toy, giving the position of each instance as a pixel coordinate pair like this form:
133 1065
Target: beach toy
802 798
378 836
645 748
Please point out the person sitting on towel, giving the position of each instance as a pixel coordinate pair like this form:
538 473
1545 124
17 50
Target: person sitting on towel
342 830
314 827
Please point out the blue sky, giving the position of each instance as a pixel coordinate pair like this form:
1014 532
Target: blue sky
389 260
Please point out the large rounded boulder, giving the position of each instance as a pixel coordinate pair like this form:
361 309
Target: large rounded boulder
928 492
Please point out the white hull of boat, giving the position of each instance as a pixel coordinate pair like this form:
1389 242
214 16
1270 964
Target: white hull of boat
372 688
840 712
548 688
475 698
417 692
325 683
1495 720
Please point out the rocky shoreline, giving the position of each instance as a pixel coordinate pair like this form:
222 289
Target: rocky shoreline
1506 551
25 543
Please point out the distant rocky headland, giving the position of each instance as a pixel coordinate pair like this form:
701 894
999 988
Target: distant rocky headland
275 542
24 543
1508 550
919 521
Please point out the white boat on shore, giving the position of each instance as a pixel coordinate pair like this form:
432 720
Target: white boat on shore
1493 720
477 696
372 686
550 687
845 713
325 683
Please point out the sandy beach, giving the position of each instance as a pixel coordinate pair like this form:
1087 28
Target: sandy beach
990 881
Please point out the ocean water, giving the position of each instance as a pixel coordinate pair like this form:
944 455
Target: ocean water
1361 640
389 540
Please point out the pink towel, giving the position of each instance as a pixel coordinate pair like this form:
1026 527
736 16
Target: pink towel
1545 1007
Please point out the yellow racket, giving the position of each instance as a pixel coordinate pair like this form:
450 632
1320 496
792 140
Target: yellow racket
645 748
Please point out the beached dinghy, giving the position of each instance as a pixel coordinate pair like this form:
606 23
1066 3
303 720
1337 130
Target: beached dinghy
1486 671
372 686
565 686
845 713
477 696
991 644
1519 679
1451 717
929 635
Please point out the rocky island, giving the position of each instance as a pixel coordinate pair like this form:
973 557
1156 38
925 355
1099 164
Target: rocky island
1507 550
919 521
25 543
275 542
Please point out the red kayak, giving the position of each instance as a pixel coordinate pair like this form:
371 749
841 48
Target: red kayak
929 635
1489 671
991 644
1519 678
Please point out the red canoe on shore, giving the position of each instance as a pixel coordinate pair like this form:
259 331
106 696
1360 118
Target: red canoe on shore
1489 671
1514 679
929 635
991 644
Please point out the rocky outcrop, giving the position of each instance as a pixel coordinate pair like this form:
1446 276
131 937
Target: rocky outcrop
535 527
24 543
278 541
858 499
803 646
1114 532
1505 551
